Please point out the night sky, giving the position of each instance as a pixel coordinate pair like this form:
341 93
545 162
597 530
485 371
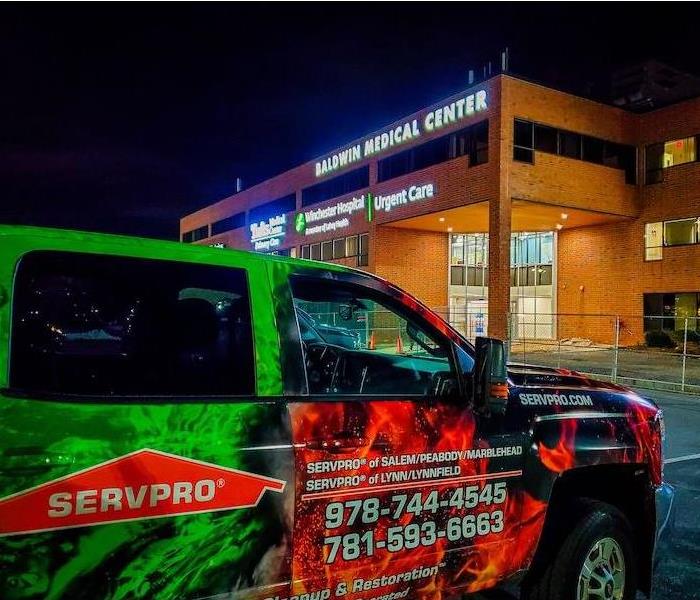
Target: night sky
124 117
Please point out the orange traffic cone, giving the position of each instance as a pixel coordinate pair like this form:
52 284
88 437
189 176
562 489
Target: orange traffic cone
371 345
399 344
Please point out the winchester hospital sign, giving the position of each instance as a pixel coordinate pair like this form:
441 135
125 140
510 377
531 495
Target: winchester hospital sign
337 216
438 118
267 235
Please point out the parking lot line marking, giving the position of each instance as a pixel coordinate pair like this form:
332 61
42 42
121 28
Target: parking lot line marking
682 458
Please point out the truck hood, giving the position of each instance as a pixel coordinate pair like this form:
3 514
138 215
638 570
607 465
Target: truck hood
549 389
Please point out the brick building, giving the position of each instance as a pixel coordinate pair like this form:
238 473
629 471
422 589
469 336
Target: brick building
504 205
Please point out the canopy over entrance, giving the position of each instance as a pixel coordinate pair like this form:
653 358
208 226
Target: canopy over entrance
525 216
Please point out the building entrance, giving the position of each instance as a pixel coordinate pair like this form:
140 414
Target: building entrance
532 289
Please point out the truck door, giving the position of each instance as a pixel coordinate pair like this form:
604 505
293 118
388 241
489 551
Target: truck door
399 489
137 459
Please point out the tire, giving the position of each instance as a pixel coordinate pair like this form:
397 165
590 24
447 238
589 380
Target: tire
600 527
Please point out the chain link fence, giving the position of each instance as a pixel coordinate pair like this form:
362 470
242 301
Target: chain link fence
641 350
644 351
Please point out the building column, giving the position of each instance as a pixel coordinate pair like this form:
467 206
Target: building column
499 264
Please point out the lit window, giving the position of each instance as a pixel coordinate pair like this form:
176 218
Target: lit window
546 248
351 245
653 241
669 154
679 233
677 152
457 252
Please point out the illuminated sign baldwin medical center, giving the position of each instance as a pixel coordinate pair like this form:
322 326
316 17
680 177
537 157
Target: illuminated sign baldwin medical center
404 132
267 235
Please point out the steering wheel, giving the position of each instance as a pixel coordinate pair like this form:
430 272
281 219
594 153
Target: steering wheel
322 363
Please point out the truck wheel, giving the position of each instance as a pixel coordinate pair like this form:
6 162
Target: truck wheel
595 561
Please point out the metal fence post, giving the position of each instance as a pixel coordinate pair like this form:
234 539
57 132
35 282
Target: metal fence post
616 350
685 354
559 355
509 335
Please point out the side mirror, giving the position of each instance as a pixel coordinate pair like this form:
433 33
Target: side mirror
490 375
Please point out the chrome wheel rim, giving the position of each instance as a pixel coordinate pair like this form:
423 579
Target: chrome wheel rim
602 575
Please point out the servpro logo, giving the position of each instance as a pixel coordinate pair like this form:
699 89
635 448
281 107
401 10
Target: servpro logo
146 484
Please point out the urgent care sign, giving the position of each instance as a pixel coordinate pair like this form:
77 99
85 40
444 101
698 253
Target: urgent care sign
448 114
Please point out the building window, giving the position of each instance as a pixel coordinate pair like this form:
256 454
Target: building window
293 252
228 224
569 144
327 250
679 152
478 144
528 136
531 257
363 256
272 209
523 141
544 275
351 245
339 248
653 241
669 154
457 275
669 311
546 248
681 232
593 150
196 234
477 276
338 186
472 141
457 249
546 139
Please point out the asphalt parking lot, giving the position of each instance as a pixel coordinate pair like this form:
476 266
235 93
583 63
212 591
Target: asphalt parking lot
678 578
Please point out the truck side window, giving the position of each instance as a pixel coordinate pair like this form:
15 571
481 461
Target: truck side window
108 325
357 342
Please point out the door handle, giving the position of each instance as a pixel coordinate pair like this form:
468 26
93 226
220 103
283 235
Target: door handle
338 443
344 442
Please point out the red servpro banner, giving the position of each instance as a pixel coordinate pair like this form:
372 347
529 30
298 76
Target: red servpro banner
145 484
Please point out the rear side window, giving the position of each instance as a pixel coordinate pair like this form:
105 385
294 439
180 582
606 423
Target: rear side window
93 324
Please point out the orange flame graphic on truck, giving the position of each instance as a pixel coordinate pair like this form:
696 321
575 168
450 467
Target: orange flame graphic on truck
563 456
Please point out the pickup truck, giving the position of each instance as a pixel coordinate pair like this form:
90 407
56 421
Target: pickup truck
167 432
